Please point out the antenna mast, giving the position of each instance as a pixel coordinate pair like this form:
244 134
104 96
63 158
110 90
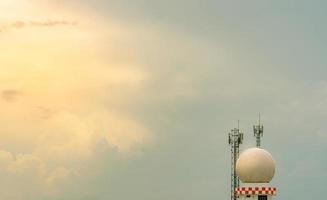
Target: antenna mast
235 138
258 132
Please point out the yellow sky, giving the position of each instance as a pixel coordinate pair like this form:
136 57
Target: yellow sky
59 90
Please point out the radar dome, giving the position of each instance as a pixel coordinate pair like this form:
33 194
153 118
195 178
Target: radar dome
255 165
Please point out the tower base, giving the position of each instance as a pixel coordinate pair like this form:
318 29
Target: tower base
255 191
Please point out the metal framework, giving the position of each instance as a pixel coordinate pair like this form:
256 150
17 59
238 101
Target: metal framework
235 138
258 132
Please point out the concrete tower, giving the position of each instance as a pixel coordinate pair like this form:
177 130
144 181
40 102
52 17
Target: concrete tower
255 167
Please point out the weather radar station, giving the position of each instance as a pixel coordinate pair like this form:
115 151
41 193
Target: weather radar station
254 167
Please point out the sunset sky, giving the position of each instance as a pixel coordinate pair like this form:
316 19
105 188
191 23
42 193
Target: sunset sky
121 100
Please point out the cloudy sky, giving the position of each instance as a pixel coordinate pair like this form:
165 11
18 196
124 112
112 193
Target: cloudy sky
120 100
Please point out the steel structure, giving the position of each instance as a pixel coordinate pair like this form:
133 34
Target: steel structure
258 132
235 138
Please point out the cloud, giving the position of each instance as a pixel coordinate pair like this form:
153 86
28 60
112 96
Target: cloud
27 165
25 24
74 111
46 113
58 175
10 95
52 23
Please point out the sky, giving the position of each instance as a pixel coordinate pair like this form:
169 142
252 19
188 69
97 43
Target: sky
120 100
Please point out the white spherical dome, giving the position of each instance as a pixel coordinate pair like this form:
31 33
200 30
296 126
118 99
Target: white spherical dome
255 166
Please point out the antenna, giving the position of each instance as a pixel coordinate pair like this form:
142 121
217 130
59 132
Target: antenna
235 138
258 132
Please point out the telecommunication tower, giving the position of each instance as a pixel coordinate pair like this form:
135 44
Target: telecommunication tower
258 132
235 138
